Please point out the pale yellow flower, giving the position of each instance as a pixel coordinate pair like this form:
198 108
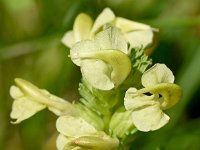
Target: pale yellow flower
147 111
77 134
104 61
28 100
139 35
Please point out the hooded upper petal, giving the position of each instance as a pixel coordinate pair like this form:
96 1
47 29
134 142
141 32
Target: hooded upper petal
159 79
170 93
159 73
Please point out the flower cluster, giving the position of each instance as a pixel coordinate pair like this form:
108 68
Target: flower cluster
119 95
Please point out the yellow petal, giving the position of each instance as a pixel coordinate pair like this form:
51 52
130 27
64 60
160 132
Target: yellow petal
133 99
97 141
31 90
140 38
82 27
97 73
33 93
110 47
24 108
117 60
106 16
112 38
62 143
15 92
149 118
68 39
159 73
126 25
82 47
73 126
59 106
171 93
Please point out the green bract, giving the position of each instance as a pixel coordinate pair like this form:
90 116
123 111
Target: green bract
29 100
139 35
121 124
146 110
104 62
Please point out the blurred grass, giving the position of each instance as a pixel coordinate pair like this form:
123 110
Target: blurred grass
30 48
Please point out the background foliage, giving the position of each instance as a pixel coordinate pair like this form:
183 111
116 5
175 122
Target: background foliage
30 48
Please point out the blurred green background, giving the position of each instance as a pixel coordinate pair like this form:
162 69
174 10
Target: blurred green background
30 48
